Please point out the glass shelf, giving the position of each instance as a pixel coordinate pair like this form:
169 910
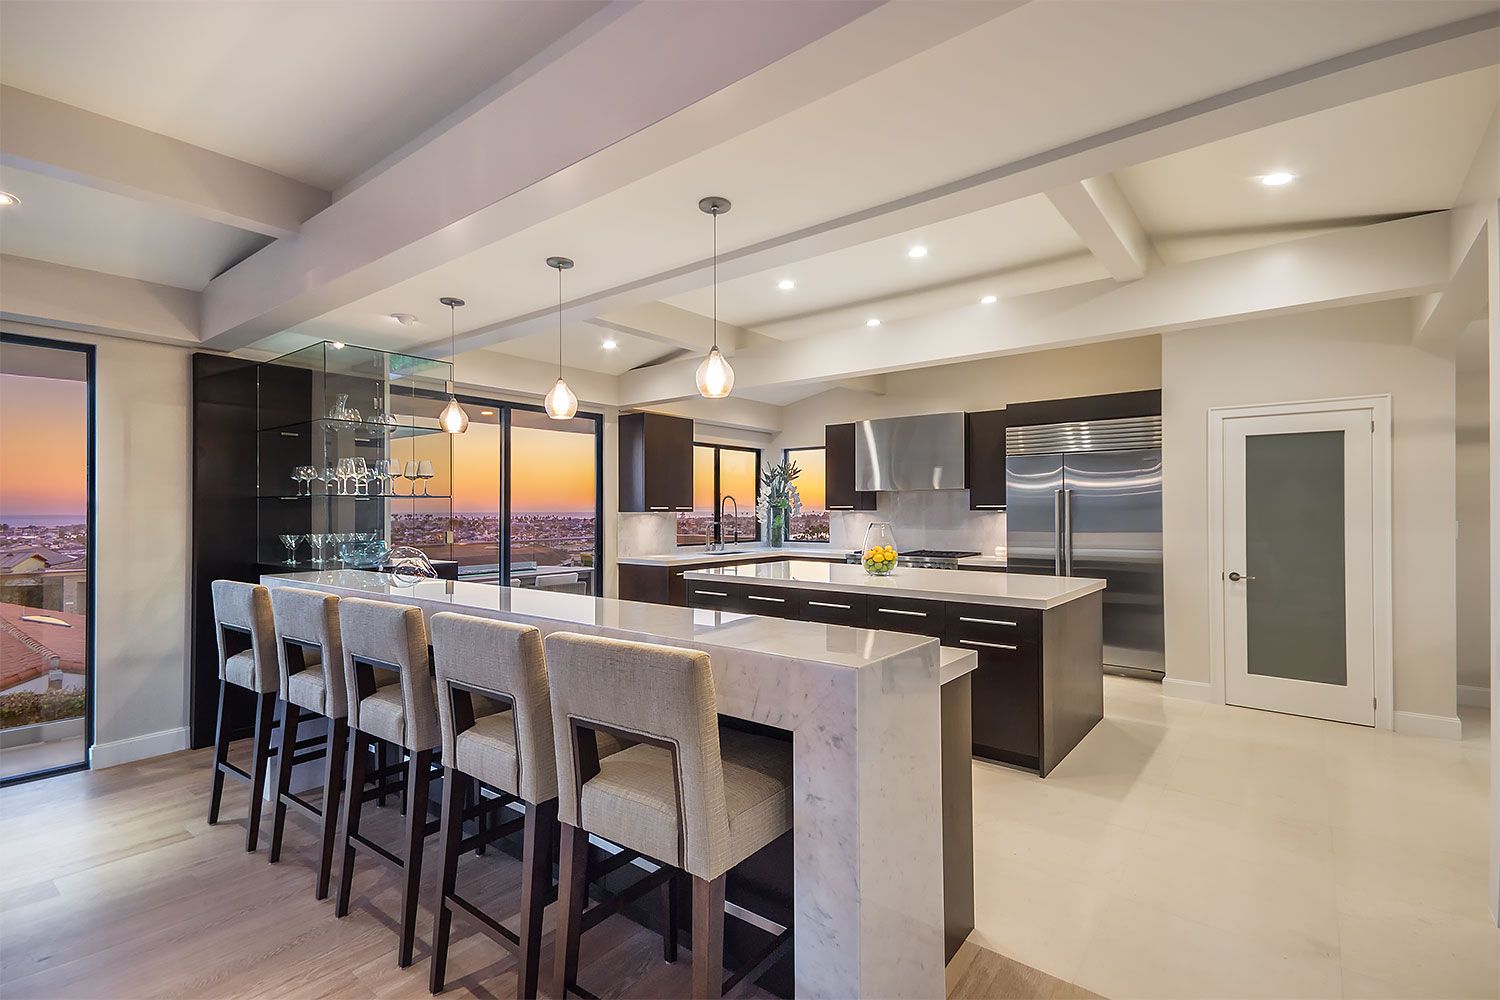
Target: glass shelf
361 496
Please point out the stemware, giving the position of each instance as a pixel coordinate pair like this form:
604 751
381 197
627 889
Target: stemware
329 476
346 473
392 473
361 471
424 473
317 541
411 473
301 475
291 542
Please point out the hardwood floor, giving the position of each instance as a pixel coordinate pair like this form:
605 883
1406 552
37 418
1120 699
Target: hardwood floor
114 885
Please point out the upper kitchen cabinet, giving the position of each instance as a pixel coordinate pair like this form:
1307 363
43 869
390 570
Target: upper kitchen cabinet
656 462
984 456
838 456
1113 406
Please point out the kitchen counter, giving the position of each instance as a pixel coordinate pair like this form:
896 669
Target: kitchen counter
1015 590
864 715
747 552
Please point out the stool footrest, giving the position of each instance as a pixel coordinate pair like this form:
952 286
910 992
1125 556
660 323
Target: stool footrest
235 770
595 914
487 923
378 851
769 956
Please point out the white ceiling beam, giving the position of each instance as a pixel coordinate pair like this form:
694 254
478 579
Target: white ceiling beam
874 385
1100 214
675 327
48 137
1378 69
72 298
738 413
643 86
1391 260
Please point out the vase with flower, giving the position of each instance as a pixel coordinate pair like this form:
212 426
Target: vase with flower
779 501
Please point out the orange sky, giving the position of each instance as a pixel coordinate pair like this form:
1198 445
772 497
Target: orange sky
550 470
812 484
43 445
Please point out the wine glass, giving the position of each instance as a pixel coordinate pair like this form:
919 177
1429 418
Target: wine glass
392 473
307 475
412 471
291 542
424 473
346 473
361 472
317 542
330 474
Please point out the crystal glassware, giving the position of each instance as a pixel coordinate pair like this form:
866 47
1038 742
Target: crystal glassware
424 473
361 475
411 473
340 408
291 542
304 475
316 543
879 552
329 476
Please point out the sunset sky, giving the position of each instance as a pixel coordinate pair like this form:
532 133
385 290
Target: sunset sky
551 471
43 445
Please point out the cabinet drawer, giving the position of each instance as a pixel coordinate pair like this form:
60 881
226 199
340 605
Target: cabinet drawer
834 609
981 626
774 602
718 596
906 614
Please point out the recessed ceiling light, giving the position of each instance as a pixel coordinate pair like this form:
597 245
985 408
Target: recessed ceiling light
486 413
609 344
988 300
405 319
7 199
872 321
786 284
917 251
338 345
1277 178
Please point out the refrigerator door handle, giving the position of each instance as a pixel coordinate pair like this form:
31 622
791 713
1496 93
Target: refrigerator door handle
1057 533
1066 539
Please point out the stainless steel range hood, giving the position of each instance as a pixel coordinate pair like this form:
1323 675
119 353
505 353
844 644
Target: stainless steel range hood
910 453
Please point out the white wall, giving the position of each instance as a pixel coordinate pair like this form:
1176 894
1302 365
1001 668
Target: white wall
1472 488
1364 350
141 552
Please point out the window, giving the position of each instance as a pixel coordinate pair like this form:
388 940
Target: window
46 540
721 471
812 485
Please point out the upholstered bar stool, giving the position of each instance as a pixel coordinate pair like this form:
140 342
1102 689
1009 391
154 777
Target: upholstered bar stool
388 675
310 657
689 795
247 658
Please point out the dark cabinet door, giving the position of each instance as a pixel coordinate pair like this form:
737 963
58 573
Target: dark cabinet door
985 458
838 457
1008 681
905 614
656 462
1112 406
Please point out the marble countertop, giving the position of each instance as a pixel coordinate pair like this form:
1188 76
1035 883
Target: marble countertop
1016 590
953 663
738 553
989 562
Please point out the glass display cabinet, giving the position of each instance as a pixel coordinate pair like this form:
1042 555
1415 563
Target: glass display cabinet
349 454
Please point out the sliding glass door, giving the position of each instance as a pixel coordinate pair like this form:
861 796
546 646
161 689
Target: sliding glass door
46 549
553 509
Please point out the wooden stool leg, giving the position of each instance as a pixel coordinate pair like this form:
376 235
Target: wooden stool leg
382 759
572 889
333 780
291 716
536 878
455 794
221 754
708 938
265 715
669 919
354 794
417 780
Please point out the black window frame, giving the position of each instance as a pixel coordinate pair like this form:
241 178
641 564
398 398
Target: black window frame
718 450
786 456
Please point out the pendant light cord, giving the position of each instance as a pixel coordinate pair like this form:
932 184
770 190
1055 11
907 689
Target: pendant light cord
559 323
716 279
453 347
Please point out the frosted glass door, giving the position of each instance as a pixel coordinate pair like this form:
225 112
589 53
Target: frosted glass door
1298 564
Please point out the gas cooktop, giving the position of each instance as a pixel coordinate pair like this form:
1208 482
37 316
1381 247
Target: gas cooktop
938 554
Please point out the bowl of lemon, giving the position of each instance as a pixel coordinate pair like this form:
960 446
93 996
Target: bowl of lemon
880 555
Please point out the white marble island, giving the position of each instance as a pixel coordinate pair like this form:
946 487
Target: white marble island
863 711
1015 590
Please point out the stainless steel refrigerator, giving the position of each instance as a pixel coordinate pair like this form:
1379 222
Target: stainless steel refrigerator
1084 499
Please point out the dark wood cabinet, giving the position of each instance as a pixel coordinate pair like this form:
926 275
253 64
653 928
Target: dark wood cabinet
1111 406
838 457
905 614
984 458
656 462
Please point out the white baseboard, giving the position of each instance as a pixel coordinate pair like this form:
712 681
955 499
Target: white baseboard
1474 696
138 747
1174 687
1442 727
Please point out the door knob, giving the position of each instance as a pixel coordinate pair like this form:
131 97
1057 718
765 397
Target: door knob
1237 578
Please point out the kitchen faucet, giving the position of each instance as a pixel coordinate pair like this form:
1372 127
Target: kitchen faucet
717 528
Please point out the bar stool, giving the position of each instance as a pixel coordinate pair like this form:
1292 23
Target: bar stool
390 639
689 795
247 658
311 661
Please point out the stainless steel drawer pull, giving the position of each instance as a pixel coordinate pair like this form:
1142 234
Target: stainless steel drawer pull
989 506
987 621
829 604
710 593
898 611
841 506
988 645
773 600
658 508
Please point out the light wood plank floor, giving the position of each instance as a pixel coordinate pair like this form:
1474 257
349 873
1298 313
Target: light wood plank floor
114 885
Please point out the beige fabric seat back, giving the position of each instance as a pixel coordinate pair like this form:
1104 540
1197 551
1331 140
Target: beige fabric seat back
241 608
509 749
661 694
381 638
314 681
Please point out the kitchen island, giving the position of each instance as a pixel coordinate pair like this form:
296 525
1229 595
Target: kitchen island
863 712
1039 686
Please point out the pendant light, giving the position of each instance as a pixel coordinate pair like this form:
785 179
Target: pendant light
561 402
715 377
453 419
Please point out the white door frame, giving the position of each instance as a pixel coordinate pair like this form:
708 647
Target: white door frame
1380 413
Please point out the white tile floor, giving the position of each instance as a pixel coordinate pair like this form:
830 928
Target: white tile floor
1189 850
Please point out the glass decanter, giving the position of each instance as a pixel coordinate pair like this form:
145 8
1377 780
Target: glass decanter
880 553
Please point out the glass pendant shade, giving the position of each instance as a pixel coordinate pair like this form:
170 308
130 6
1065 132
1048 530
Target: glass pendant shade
453 419
715 377
561 403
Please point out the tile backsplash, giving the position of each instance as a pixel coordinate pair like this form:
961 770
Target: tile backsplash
925 519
